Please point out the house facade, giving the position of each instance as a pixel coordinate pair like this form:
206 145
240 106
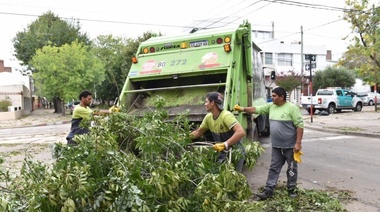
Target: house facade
283 57
17 89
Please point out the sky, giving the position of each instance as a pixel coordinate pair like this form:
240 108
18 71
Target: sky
130 19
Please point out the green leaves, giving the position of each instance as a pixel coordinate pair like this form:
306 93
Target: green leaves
74 64
333 77
130 163
362 54
289 81
48 29
116 54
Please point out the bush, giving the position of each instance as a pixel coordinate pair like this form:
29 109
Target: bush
4 105
133 164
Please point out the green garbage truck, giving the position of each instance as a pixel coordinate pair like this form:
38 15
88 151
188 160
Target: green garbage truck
183 69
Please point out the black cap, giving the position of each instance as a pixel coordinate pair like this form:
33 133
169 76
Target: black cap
217 98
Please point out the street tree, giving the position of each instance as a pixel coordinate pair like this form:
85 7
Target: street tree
116 53
289 81
48 29
333 77
363 50
65 71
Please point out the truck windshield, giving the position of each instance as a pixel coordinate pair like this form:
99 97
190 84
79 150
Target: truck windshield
325 93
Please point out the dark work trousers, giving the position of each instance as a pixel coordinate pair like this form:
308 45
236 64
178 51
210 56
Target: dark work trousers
223 156
279 157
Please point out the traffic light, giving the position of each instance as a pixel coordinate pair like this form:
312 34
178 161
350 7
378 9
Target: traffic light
272 75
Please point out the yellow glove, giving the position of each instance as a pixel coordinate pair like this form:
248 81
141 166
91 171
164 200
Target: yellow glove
297 156
238 108
114 109
220 146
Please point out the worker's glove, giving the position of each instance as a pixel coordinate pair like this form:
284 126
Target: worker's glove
114 109
238 108
220 146
297 156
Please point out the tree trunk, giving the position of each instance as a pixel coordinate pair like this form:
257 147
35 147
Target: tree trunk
55 104
63 108
58 105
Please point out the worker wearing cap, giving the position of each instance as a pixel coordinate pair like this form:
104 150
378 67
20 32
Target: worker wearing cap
225 129
286 129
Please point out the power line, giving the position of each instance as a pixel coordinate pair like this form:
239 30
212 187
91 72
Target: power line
164 25
230 8
218 21
208 20
314 6
98 20
248 13
311 28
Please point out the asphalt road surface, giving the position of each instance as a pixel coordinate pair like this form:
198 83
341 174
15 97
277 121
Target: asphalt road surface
331 160
44 134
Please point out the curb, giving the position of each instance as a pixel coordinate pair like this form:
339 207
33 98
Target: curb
325 129
38 125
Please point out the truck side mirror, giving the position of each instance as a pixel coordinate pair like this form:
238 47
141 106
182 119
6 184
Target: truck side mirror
272 75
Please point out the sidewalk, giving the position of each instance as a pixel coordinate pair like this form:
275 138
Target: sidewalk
38 117
364 123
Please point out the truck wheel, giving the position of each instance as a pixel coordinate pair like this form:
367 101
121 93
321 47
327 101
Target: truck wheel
253 132
331 108
370 103
358 107
266 132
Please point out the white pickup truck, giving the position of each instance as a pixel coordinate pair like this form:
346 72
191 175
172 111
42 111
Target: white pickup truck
331 100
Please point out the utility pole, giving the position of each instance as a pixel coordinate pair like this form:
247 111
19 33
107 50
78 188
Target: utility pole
375 89
302 65
312 58
311 90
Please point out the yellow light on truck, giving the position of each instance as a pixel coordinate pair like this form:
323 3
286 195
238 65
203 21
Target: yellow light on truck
227 47
145 50
227 39
134 59
183 45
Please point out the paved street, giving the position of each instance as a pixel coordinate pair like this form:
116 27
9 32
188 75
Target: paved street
41 134
341 151
332 161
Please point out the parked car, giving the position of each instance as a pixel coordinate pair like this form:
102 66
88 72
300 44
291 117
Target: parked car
72 105
369 98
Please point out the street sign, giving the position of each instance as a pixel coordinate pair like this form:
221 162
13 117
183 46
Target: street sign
311 57
307 66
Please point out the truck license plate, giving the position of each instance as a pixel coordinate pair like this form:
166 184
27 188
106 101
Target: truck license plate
198 43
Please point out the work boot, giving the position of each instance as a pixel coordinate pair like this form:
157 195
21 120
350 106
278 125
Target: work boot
265 195
292 192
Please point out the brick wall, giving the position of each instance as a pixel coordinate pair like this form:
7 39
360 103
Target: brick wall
4 69
1 65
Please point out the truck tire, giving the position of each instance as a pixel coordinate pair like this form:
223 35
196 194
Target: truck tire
253 131
331 108
358 107
266 132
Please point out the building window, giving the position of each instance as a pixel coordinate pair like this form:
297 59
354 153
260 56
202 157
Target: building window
268 59
264 34
284 59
